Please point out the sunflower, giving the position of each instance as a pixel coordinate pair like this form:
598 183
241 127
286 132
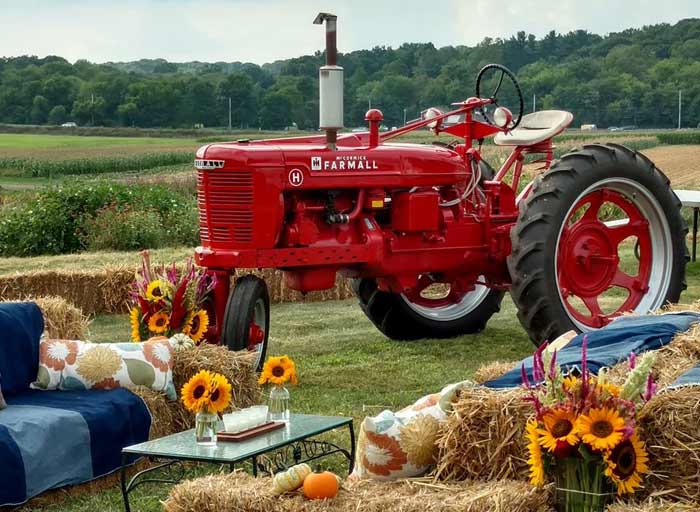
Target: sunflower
278 371
626 463
610 388
195 393
220 394
559 431
155 291
134 318
159 322
570 383
535 460
197 325
601 429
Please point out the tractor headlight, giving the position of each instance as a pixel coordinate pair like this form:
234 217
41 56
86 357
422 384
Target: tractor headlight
502 117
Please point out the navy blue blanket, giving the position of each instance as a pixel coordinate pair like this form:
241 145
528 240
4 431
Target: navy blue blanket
49 439
609 345
21 325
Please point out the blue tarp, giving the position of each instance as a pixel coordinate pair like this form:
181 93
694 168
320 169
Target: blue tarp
49 439
689 378
610 345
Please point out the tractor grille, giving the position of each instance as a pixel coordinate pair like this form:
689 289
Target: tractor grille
225 201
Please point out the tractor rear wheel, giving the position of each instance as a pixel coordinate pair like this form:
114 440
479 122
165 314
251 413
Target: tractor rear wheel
247 318
600 234
402 318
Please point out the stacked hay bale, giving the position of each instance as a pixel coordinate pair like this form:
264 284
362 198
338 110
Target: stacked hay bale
107 290
62 320
240 492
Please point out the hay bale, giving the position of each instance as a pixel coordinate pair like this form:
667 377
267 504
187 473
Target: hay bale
493 370
237 367
671 427
106 290
62 319
652 506
165 417
241 492
679 356
483 437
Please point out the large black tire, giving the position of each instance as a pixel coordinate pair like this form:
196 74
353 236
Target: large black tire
535 237
396 319
248 301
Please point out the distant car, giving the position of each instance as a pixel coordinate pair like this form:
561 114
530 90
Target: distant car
69 124
359 129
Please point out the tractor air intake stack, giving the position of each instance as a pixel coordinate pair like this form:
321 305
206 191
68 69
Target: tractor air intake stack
330 84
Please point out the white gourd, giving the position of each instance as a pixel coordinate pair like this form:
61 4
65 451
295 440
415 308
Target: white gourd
290 480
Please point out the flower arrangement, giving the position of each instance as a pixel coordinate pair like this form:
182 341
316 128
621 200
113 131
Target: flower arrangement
278 371
585 429
207 395
206 392
166 301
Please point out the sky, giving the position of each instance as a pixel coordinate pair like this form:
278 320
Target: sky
266 30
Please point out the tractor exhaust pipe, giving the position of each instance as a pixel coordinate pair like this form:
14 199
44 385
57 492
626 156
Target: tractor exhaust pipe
330 83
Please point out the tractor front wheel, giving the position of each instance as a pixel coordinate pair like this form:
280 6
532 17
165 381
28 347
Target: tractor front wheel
247 318
424 315
600 234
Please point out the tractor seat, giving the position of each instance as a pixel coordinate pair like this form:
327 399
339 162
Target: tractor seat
535 128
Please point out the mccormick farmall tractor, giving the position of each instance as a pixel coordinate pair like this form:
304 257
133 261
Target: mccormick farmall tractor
430 235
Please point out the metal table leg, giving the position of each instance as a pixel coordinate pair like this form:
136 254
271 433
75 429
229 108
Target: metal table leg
125 492
695 231
351 464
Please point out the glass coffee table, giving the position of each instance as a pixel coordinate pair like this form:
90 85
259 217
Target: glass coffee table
280 449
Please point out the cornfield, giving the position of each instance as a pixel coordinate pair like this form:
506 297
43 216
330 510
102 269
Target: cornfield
35 168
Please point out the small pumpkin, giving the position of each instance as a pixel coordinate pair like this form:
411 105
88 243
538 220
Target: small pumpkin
291 479
319 486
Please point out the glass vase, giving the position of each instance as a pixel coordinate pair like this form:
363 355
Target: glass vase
581 485
206 426
278 406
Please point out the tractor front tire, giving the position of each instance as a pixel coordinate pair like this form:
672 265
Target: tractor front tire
565 250
247 318
399 319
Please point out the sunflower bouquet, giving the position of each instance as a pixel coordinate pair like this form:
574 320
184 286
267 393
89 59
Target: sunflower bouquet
167 301
207 395
585 432
279 371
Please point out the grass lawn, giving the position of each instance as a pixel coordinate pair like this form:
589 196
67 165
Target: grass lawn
346 367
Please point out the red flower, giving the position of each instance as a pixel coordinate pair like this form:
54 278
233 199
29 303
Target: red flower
159 354
57 353
384 456
108 383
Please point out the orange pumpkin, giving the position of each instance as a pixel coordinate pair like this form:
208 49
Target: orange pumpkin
319 486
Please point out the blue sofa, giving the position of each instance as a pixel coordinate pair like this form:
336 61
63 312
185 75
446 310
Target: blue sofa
49 439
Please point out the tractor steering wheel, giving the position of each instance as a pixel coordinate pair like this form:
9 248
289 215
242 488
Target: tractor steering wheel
505 72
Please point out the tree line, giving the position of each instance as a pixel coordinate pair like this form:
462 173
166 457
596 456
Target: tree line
626 78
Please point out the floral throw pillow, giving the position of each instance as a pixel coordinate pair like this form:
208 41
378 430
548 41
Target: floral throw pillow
78 365
403 444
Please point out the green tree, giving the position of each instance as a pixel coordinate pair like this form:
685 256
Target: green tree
40 110
58 115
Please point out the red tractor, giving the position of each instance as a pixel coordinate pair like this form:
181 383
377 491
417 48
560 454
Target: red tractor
430 235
